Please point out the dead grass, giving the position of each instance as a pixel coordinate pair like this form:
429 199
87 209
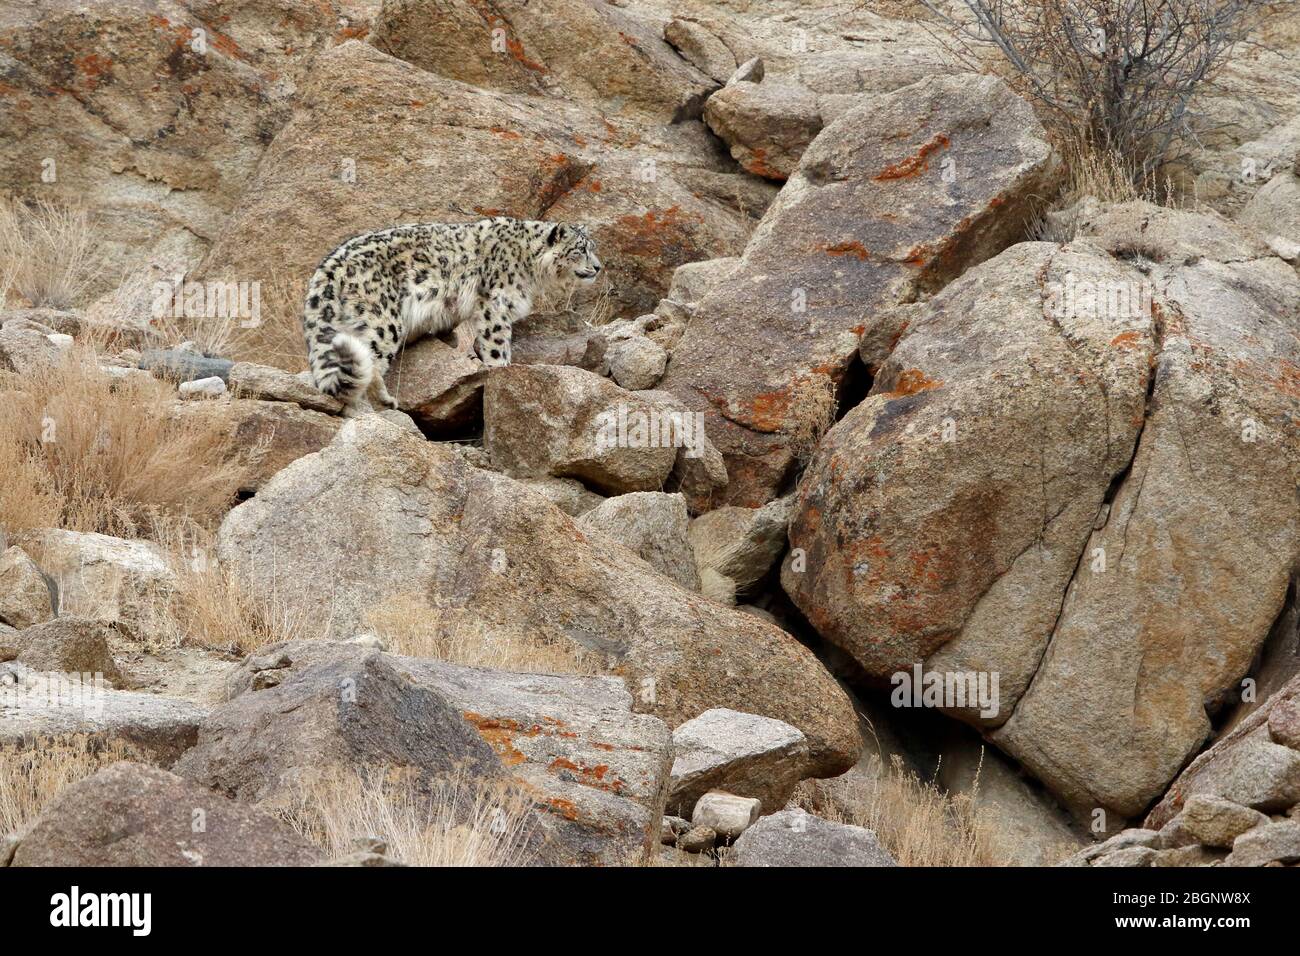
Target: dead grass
32 776
87 452
917 821
46 253
408 626
460 823
811 412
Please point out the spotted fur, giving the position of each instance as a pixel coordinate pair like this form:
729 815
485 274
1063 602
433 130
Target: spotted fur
378 291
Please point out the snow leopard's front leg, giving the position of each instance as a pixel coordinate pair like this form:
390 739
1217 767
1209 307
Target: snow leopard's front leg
492 328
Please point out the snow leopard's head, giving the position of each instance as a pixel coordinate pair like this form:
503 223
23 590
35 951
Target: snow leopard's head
573 253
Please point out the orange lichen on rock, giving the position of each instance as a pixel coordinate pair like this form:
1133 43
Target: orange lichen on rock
1127 340
849 248
757 164
914 164
662 234
913 380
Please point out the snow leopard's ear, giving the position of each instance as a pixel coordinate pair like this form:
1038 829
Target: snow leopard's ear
554 235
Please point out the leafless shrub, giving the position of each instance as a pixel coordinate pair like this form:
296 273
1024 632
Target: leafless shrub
1119 76
46 253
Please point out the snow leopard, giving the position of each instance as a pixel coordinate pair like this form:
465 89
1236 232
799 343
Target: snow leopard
378 291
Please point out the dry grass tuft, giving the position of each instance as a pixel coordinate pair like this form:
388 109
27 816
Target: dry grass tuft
87 452
30 777
46 253
919 823
460 823
811 412
408 626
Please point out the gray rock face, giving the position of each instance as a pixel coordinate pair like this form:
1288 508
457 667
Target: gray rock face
595 770
897 195
797 838
652 525
32 707
27 595
133 815
345 711
743 754
479 546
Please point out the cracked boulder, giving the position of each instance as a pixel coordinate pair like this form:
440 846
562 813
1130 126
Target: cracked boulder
572 49
480 547
1017 411
896 196
1179 584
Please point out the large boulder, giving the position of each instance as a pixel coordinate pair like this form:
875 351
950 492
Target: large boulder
797 838
897 196
594 770
1182 579
100 576
131 814
343 712
982 396
563 422
743 754
481 547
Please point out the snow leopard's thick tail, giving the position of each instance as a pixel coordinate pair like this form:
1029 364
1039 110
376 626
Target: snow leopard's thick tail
344 371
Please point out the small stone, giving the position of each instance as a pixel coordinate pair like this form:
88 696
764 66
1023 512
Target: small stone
1193 855
1284 723
672 828
751 71
1214 821
212 387
725 813
697 840
798 838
